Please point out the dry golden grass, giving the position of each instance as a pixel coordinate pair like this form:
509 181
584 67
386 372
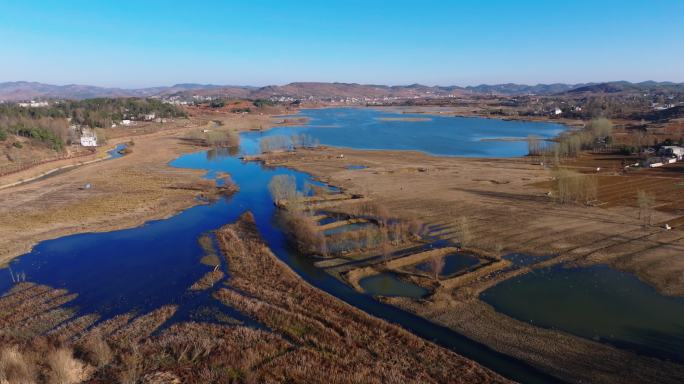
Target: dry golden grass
64 368
15 367
328 336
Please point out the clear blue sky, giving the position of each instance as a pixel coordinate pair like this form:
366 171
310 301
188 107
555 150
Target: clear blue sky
251 42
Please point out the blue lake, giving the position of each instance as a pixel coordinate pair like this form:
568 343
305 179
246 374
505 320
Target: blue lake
363 128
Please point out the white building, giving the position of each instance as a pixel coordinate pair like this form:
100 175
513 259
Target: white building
557 111
126 122
34 104
88 138
672 150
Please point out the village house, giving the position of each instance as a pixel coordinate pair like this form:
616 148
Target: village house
88 138
34 104
672 151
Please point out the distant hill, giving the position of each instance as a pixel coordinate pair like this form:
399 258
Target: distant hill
350 90
521 89
22 90
626 87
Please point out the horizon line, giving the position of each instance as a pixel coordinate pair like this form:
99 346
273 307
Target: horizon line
339 82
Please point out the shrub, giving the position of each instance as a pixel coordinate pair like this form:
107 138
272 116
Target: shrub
45 135
96 351
3 135
223 139
14 367
64 369
131 366
263 102
629 150
17 144
217 104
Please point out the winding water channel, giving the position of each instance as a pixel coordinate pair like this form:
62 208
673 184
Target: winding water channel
143 268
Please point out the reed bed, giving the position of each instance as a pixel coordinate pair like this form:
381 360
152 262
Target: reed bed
331 341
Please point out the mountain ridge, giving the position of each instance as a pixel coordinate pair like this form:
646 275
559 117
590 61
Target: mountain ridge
26 90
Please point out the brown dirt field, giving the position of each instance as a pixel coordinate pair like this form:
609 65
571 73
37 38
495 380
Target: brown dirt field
619 187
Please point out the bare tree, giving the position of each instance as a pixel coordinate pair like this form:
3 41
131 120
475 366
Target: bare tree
385 247
223 139
601 127
308 238
283 188
463 231
533 145
273 143
574 187
436 265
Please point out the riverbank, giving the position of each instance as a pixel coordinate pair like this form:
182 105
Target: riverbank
124 193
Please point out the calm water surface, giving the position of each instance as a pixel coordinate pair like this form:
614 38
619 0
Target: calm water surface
453 263
390 285
364 128
597 303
